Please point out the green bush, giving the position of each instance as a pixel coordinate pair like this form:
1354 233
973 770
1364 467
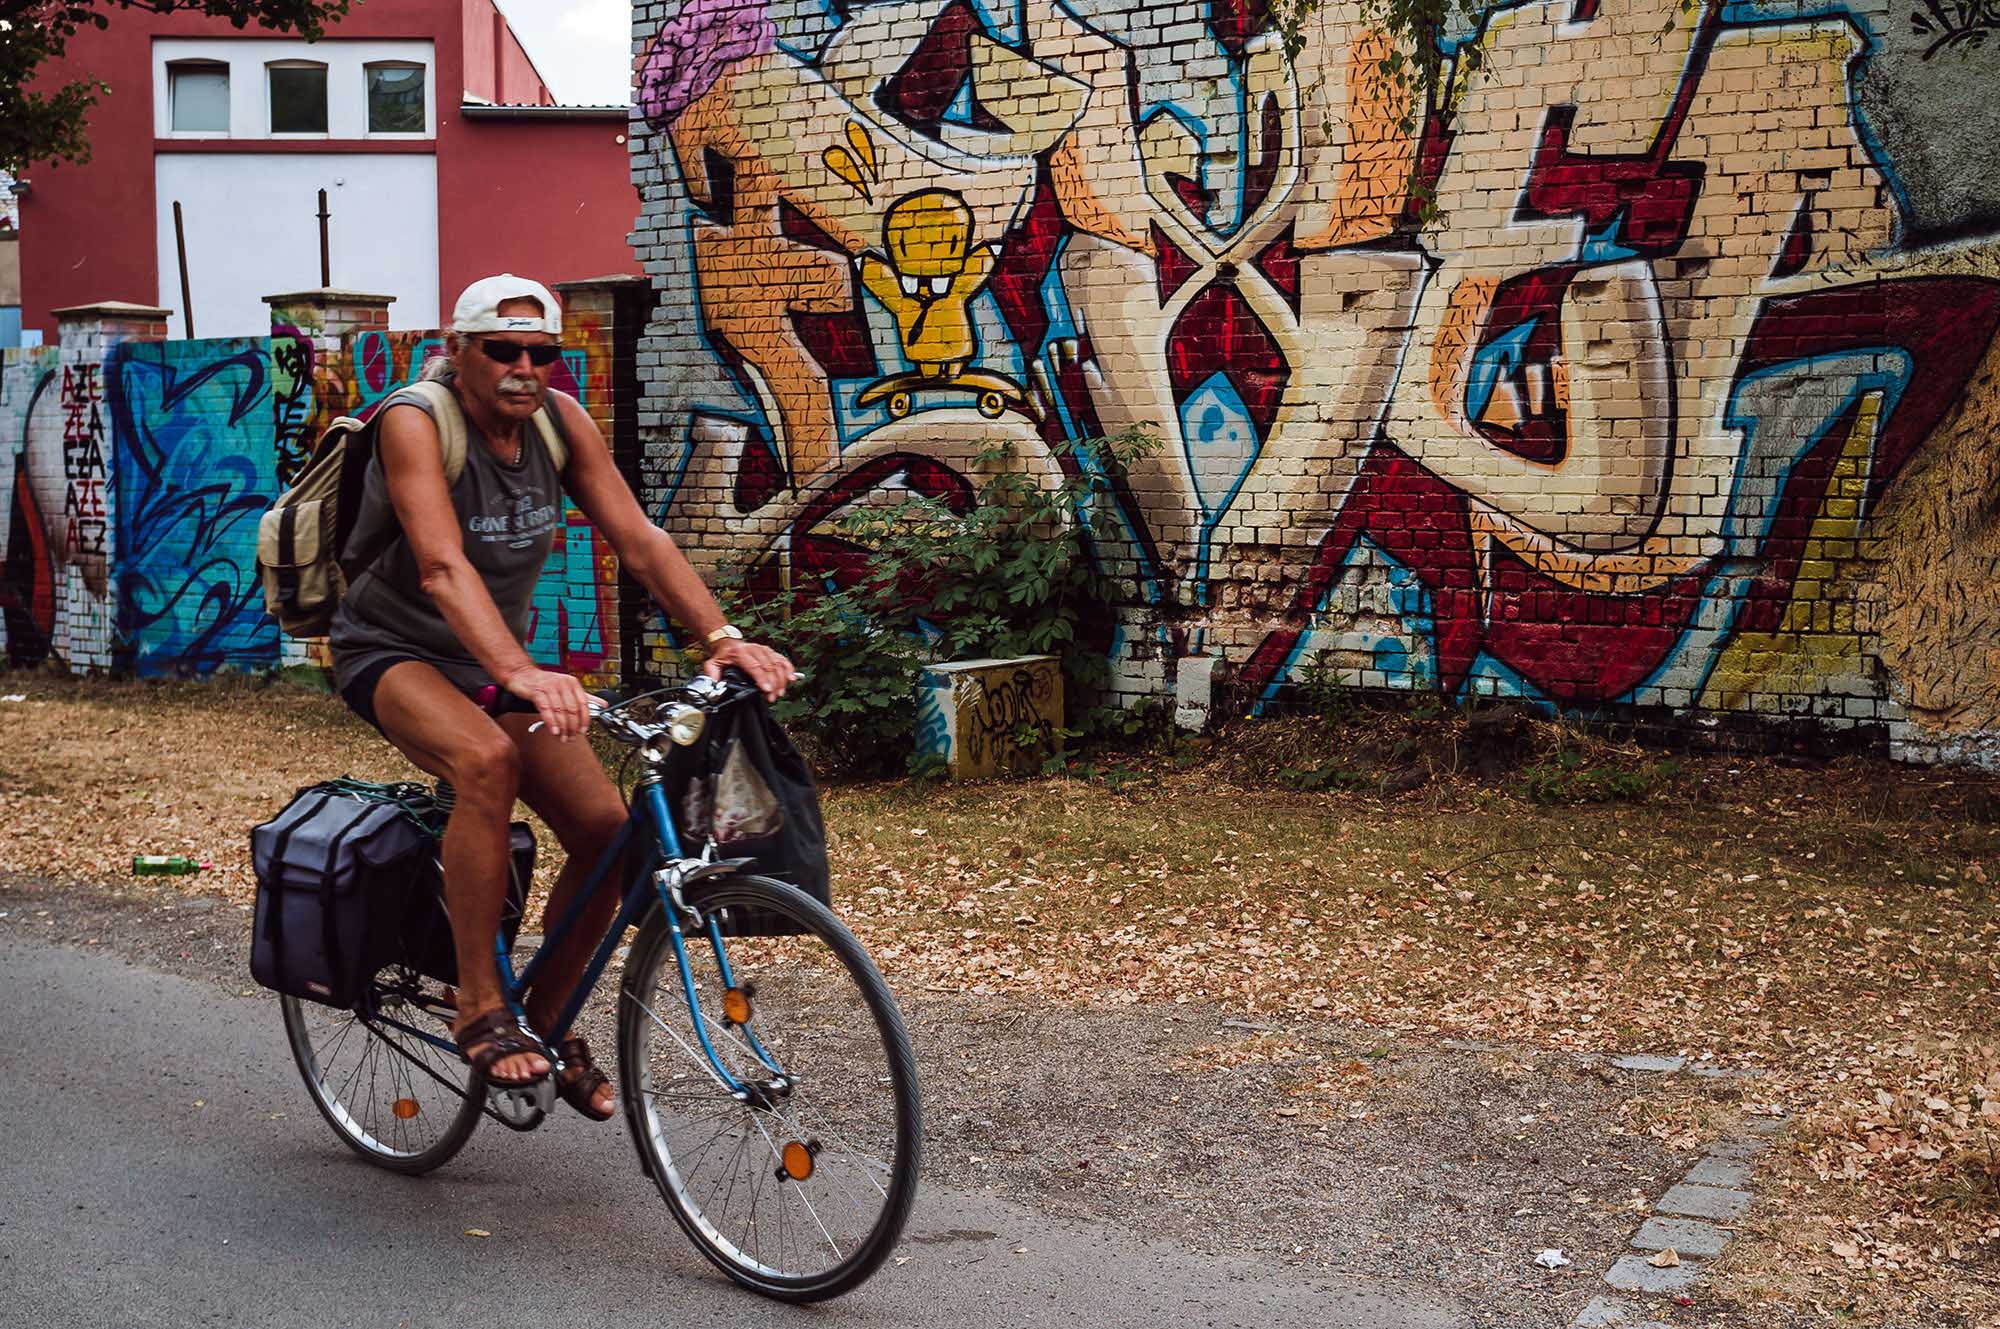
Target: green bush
1570 776
1011 575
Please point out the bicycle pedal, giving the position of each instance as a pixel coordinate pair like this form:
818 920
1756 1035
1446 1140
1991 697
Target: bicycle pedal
522 1107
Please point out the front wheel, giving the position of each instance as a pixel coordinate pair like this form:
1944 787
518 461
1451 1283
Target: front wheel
796 1184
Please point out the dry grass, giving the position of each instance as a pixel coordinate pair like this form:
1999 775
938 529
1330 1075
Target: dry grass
1834 927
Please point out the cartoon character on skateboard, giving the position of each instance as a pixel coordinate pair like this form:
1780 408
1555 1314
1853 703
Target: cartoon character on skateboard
928 282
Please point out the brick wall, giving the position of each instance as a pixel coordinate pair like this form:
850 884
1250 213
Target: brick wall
1656 377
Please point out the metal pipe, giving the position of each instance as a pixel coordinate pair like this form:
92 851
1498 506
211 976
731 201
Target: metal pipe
325 257
181 248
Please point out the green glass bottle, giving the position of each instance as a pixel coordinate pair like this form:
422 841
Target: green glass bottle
153 865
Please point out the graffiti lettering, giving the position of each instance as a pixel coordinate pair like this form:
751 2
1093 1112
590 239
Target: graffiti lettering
1010 720
1605 426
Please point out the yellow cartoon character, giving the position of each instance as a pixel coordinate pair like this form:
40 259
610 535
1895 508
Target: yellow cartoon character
929 281
932 273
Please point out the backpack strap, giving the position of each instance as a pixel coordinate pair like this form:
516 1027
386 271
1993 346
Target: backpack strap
551 432
450 424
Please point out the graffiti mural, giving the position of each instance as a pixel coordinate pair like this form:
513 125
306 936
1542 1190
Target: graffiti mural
132 478
55 591
1595 379
30 382
295 406
196 468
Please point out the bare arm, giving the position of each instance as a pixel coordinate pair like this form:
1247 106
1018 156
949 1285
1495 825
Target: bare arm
413 467
651 555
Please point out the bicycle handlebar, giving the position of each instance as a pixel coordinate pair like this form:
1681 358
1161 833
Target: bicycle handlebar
700 694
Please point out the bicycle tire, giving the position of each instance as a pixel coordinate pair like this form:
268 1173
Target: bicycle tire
678 1110
382 1090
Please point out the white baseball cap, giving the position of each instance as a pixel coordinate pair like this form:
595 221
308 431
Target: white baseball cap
478 309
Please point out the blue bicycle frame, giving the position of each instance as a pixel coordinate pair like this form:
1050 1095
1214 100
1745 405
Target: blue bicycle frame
664 867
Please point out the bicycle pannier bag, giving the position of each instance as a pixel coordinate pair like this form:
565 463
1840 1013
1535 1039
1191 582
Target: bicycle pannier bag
427 941
335 876
756 799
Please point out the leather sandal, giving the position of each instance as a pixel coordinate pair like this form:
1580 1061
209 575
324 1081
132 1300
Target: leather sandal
581 1079
493 1036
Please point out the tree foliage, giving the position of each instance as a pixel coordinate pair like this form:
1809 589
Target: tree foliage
43 124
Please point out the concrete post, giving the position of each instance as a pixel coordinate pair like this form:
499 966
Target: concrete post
604 316
93 328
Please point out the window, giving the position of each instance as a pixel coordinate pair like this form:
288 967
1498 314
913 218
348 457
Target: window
199 93
298 98
395 99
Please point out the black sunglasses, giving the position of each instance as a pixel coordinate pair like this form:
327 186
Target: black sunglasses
507 352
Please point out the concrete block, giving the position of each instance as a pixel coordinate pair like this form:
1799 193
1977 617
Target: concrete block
1194 692
1713 1171
1646 1061
991 717
1711 1202
1687 1236
1632 1274
1738 1150
1614 1313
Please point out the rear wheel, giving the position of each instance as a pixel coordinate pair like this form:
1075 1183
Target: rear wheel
392 1096
798 1184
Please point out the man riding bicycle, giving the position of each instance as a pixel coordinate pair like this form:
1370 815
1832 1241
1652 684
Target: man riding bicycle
443 614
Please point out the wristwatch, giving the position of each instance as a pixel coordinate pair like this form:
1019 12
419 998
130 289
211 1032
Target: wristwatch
728 631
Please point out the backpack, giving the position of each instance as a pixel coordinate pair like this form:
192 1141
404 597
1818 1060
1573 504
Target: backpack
747 789
300 538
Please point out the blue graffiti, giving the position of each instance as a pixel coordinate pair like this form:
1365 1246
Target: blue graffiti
194 469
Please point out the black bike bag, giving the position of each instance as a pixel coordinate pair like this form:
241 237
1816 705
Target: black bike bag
336 877
746 790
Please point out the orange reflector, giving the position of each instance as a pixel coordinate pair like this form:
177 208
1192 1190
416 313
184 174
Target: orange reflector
798 1161
405 1108
736 1006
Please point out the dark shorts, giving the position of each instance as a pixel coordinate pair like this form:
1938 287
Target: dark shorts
359 694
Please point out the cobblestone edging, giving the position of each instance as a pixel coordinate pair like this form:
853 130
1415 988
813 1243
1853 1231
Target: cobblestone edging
1694 1218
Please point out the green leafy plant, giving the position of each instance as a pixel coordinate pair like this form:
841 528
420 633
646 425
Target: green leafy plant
1570 776
1010 574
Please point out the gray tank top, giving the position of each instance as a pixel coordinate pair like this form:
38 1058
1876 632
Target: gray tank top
507 516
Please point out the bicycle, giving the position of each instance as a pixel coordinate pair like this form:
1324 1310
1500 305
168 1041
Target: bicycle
767 1081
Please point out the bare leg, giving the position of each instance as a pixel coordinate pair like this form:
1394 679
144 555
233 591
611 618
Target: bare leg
567 787
440 730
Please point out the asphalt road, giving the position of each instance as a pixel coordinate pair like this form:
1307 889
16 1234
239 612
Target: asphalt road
160 1164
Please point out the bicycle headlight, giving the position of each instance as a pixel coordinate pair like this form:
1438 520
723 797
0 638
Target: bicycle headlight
684 723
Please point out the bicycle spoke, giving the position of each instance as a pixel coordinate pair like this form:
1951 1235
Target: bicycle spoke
803 1185
389 1093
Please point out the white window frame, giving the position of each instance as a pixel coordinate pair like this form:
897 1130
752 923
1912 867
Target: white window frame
430 83
200 65
326 101
249 59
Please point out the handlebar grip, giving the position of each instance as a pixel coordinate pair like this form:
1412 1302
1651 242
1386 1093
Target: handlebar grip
496 701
